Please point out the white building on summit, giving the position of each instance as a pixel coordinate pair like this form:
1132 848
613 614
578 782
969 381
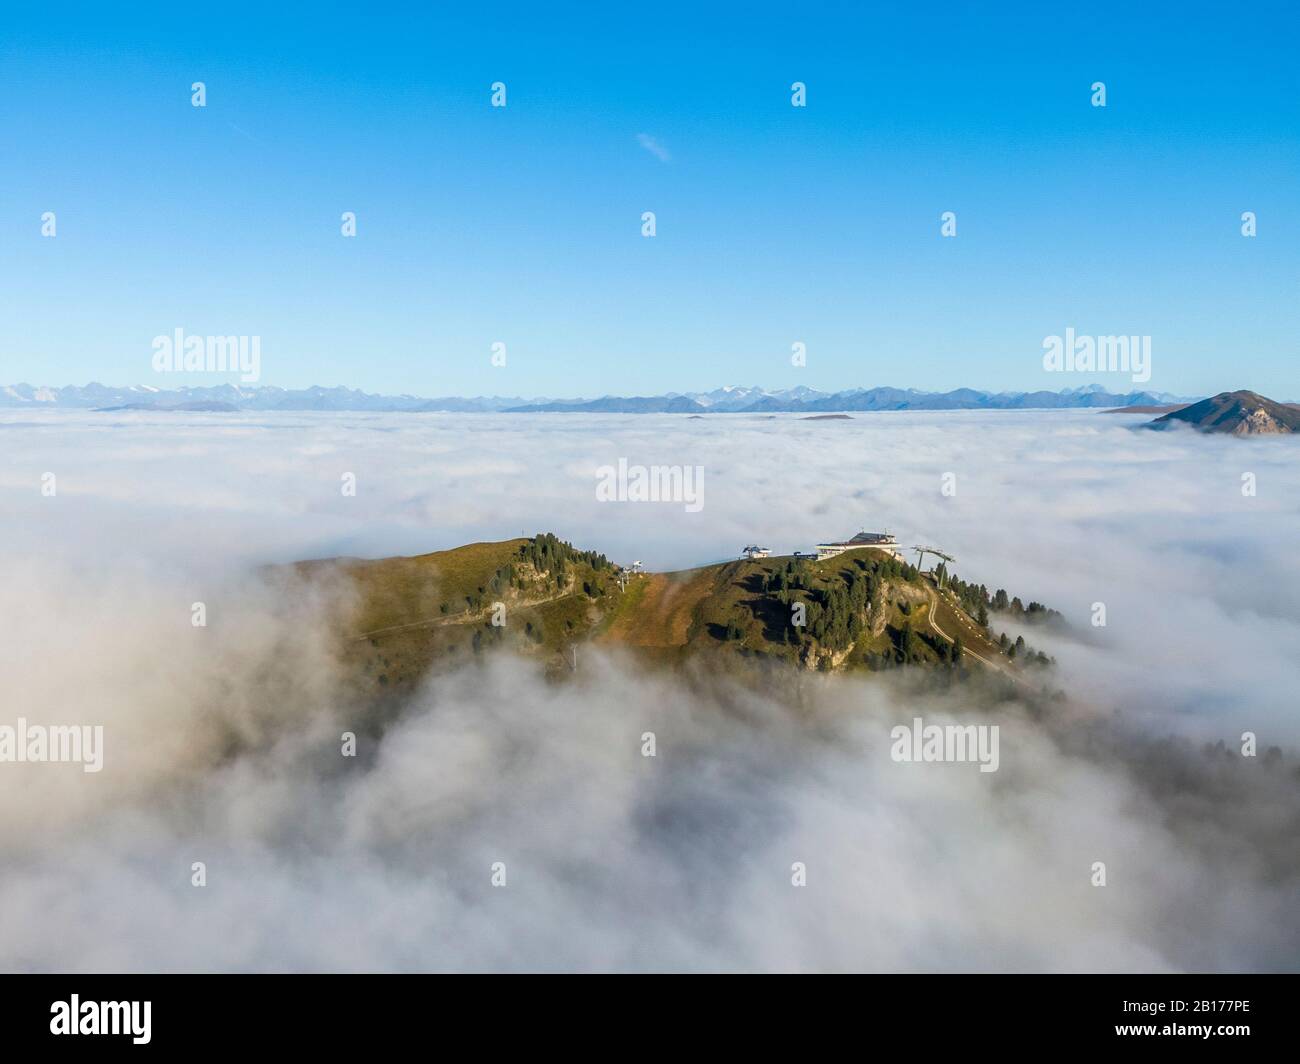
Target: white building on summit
873 540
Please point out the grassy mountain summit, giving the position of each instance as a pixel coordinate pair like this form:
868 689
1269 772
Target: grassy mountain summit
863 610
1238 413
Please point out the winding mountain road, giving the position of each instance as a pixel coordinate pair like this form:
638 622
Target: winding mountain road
1003 668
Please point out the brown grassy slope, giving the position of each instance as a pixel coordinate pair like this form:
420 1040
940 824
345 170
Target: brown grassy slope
398 591
660 608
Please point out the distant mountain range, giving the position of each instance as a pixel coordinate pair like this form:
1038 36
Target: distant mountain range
807 401
220 397
731 400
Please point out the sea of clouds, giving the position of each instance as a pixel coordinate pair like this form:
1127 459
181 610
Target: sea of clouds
222 744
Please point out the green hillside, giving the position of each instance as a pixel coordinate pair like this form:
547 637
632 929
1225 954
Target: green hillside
863 610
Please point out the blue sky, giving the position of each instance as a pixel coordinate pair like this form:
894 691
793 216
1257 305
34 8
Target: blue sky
775 224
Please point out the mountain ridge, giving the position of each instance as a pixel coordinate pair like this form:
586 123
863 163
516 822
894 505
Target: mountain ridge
865 610
1240 413
731 399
